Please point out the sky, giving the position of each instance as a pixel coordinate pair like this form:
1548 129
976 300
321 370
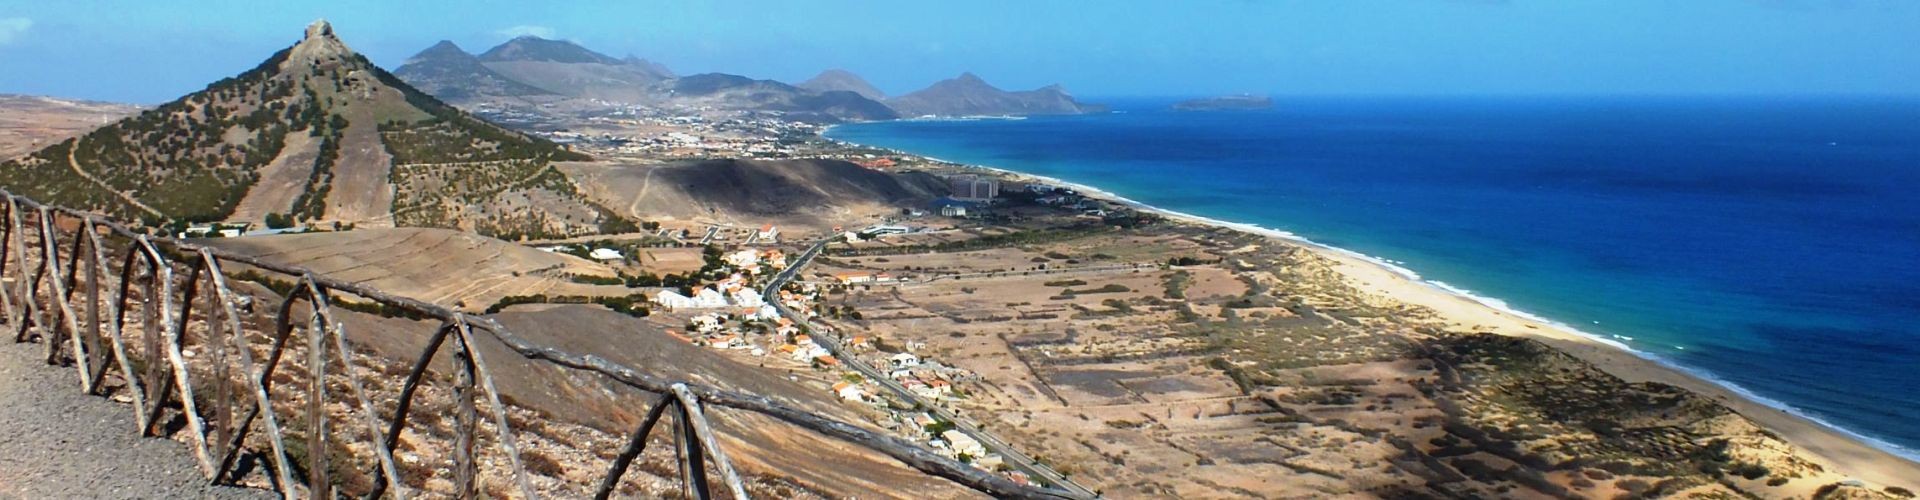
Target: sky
150 52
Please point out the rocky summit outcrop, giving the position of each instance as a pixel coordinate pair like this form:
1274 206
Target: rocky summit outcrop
969 95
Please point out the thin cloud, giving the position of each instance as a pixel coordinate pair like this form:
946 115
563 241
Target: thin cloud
526 30
12 28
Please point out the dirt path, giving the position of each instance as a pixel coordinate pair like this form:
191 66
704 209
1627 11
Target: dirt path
646 182
56 442
74 164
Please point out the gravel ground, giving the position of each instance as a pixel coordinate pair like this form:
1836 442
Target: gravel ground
58 443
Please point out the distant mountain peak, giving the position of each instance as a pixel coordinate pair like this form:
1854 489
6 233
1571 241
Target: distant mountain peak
445 46
968 94
533 48
840 79
447 71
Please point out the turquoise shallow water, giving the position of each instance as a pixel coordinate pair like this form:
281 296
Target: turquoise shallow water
1772 244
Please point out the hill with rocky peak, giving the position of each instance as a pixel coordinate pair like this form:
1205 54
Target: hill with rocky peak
316 133
969 95
840 79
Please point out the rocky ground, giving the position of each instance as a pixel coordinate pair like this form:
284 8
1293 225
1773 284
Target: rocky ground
58 443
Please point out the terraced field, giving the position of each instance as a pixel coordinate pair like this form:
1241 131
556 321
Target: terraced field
435 265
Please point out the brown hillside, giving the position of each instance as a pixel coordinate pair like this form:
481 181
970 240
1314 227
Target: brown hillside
814 193
440 266
28 123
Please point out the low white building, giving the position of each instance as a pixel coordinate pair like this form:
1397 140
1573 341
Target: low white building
673 300
962 444
883 230
708 297
705 323
743 258
903 360
605 254
765 312
748 297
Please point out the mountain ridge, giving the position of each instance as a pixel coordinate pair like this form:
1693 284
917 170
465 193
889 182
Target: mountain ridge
447 71
531 66
776 96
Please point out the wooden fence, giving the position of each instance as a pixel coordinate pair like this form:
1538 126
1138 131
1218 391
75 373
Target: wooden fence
188 353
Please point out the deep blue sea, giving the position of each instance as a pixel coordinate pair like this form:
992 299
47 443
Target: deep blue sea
1772 244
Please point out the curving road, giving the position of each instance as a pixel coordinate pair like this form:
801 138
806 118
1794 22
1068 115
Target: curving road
1012 456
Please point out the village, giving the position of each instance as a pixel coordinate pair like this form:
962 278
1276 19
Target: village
621 129
732 316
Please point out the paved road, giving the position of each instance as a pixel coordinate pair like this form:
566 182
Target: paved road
56 442
1011 455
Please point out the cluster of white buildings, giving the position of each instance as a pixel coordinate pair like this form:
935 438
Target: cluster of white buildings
753 262
686 134
737 290
734 292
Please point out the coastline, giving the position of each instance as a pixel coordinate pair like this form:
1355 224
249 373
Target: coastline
1856 455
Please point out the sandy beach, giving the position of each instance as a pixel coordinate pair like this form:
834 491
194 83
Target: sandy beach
1840 450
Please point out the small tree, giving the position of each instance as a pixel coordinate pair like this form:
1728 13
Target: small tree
278 221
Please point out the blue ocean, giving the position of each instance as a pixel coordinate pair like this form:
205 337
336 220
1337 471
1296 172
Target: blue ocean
1772 244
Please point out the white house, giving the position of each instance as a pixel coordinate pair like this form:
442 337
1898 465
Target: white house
764 312
904 360
953 211
748 297
743 258
673 300
605 254
962 444
705 323
768 234
708 297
